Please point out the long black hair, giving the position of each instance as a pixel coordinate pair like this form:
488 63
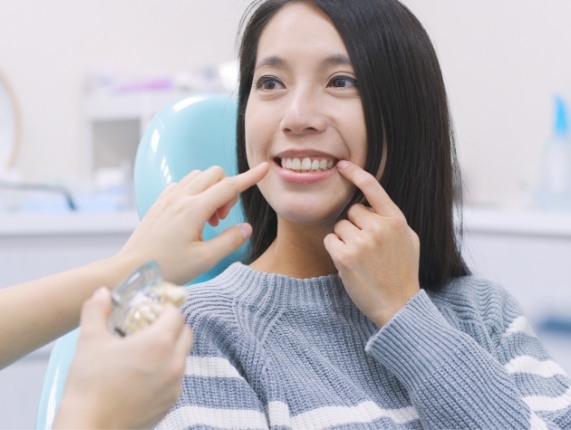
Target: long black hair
406 108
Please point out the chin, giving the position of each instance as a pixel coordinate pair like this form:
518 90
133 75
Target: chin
309 215
301 206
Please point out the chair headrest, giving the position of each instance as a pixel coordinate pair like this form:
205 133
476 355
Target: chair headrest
194 133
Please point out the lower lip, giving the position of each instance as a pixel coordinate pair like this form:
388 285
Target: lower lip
304 177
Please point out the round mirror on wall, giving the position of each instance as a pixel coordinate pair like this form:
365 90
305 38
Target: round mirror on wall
9 126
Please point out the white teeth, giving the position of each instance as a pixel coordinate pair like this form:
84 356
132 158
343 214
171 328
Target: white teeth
307 164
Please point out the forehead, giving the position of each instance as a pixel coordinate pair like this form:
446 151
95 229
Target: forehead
300 27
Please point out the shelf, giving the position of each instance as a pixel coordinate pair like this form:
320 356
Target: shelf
529 222
26 224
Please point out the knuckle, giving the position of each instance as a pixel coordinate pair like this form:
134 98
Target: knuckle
354 210
219 171
347 258
399 223
376 230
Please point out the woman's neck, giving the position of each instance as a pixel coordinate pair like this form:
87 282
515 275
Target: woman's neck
298 252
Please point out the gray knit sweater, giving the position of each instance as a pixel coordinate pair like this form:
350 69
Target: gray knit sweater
281 353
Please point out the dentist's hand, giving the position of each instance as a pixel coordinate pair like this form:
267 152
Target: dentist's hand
123 382
375 251
171 231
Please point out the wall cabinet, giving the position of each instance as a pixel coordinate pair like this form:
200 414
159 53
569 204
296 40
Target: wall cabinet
115 123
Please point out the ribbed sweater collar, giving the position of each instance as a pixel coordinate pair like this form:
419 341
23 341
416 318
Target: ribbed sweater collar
254 286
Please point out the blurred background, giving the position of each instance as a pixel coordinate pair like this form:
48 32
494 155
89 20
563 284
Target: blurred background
79 81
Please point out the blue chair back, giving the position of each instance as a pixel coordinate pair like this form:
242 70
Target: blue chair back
194 133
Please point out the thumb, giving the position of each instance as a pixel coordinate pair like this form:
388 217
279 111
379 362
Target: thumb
95 311
228 241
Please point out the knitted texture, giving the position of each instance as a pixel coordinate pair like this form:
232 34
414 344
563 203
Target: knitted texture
276 352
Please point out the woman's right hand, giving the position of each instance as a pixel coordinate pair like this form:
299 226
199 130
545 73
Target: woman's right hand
171 231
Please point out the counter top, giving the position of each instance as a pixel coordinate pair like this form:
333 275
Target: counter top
67 223
526 222
476 220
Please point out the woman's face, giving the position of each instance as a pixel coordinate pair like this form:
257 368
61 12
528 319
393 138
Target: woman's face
303 115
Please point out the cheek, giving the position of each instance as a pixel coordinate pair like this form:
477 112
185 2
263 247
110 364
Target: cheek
249 134
358 135
259 128
359 150
253 151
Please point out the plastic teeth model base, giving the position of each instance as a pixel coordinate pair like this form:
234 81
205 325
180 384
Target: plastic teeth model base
139 299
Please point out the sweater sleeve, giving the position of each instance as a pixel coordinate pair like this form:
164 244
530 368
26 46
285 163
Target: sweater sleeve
454 382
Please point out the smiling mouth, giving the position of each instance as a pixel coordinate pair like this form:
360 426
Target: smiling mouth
306 164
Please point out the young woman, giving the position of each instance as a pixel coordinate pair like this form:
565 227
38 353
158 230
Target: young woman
357 309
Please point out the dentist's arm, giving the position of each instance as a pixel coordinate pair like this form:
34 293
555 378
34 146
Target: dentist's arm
36 312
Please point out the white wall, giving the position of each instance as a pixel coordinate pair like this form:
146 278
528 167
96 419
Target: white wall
49 48
503 61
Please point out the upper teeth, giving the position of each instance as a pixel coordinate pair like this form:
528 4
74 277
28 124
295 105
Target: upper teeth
307 164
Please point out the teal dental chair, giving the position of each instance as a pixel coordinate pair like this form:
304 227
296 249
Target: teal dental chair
194 133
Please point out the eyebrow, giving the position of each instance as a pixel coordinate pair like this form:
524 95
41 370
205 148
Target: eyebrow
280 63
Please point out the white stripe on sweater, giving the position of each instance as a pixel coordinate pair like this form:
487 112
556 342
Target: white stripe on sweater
210 367
279 415
333 416
533 366
227 419
520 325
549 404
537 423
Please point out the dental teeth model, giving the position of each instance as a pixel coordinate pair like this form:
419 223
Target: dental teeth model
146 307
139 299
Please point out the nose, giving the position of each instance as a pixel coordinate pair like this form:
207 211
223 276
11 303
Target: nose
303 113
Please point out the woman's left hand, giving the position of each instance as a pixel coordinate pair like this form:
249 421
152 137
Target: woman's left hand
375 251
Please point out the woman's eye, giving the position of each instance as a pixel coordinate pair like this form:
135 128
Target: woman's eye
268 83
343 82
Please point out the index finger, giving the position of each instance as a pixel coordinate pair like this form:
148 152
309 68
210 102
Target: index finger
228 188
370 186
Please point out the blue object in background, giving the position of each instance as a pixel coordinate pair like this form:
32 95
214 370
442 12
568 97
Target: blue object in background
194 133
54 381
554 188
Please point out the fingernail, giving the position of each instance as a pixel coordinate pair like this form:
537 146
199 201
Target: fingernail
246 230
101 293
342 164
